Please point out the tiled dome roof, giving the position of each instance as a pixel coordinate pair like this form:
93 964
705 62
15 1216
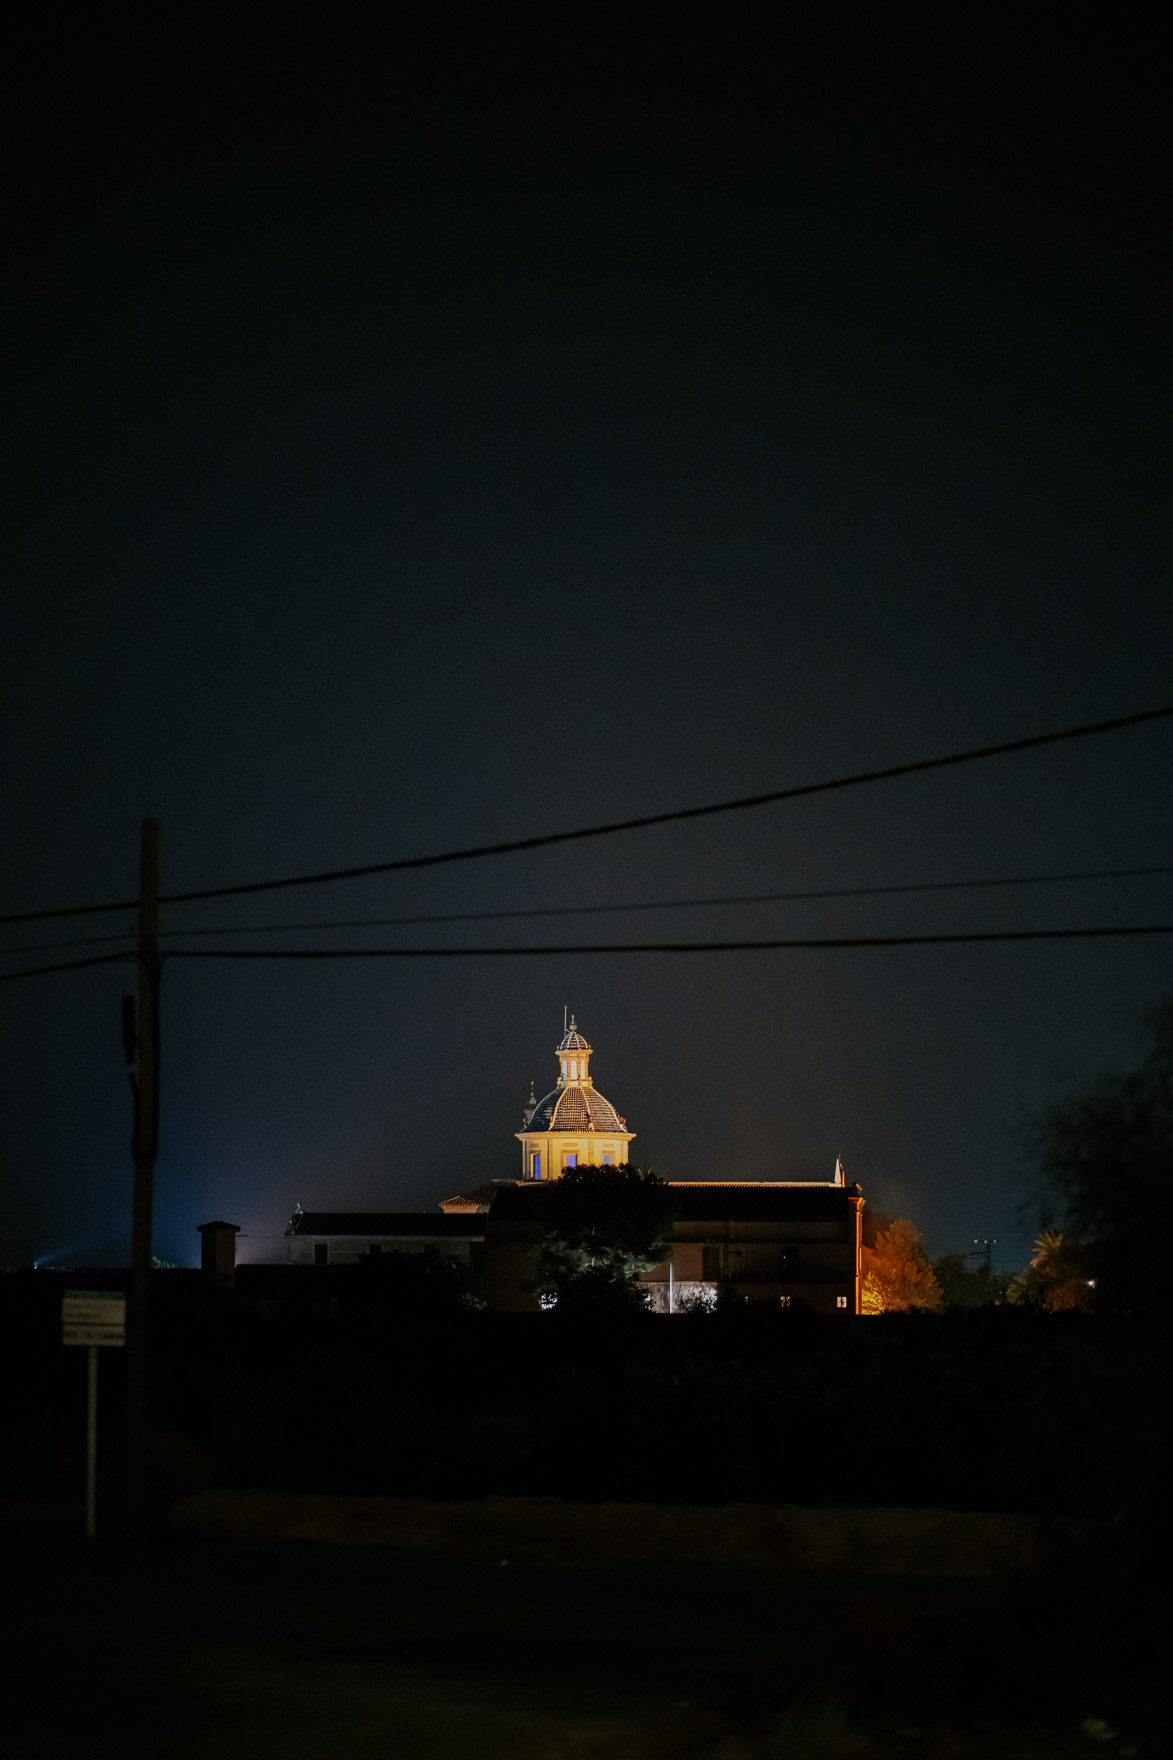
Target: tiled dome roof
574 1040
574 1109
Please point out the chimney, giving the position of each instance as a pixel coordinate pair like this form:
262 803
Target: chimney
218 1253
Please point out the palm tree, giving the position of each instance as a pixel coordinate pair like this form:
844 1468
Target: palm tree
1058 1277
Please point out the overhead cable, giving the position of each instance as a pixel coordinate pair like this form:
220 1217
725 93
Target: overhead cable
611 828
673 904
586 910
72 965
661 946
322 953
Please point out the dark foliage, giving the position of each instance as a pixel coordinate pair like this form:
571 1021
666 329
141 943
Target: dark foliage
965 1285
1107 1156
601 1227
344 1386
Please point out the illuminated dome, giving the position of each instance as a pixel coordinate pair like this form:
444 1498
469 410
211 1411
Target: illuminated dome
574 1109
573 1124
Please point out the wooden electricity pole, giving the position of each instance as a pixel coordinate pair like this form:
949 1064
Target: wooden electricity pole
146 1149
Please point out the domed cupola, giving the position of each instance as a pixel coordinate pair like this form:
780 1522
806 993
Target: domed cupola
574 1054
573 1125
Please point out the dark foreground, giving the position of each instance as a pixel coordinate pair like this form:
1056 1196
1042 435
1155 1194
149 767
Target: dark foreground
192 1647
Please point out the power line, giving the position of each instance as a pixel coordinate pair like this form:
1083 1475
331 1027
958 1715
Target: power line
321 953
582 910
662 946
88 941
610 829
72 965
672 904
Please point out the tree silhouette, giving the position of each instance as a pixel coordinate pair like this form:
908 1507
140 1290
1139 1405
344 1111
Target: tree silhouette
601 1227
897 1273
1058 1277
1106 1154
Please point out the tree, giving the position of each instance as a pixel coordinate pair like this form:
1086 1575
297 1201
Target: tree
897 1273
1058 1277
1106 1155
961 1284
601 1227
966 1286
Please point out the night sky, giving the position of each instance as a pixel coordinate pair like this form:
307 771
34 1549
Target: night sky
419 444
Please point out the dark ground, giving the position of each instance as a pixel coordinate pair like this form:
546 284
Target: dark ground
194 1649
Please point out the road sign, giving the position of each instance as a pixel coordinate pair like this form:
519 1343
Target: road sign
93 1316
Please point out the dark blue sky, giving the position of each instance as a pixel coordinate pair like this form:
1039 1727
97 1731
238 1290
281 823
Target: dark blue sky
417 444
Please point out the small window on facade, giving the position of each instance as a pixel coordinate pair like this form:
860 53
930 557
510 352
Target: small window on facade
321 1253
783 1301
840 1301
606 1157
535 1162
570 1161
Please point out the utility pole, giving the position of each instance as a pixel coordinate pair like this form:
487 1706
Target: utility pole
986 1253
145 1083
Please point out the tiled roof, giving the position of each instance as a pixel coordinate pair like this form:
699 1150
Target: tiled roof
375 1224
574 1109
574 1041
694 1203
479 1198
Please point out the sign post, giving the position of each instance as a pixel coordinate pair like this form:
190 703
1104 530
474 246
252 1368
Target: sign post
93 1317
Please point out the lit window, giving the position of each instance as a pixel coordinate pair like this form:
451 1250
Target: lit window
783 1301
840 1301
547 1300
574 1069
535 1162
564 1067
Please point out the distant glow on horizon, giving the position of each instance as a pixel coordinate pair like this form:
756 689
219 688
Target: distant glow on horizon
67 1253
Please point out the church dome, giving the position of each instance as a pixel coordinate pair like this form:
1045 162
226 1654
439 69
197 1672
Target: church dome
573 1108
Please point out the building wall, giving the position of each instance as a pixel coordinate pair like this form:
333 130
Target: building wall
761 1261
346 1249
508 1264
552 1148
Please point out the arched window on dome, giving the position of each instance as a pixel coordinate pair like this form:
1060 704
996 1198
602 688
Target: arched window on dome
574 1069
563 1069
